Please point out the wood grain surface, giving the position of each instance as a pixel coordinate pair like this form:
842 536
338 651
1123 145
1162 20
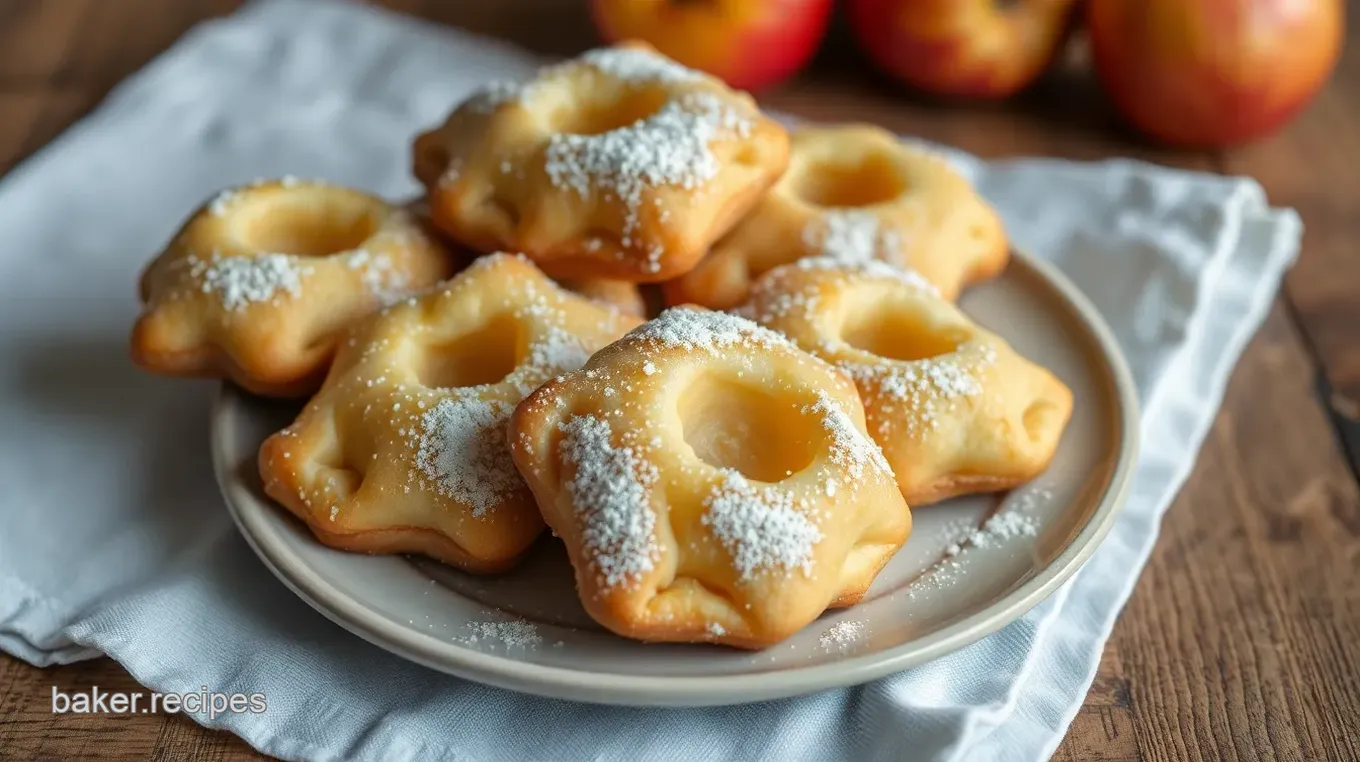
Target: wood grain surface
1242 639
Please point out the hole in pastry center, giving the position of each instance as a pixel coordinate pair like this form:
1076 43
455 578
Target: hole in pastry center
314 224
868 180
597 116
484 356
731 424
897 333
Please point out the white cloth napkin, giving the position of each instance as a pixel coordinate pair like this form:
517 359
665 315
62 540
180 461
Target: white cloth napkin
114 540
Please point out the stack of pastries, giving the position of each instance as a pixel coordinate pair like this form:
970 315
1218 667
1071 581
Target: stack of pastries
722 472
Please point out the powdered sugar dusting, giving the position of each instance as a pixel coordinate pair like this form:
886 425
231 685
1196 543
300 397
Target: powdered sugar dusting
1013 520
610 491
628 64
924 389
776 296
513 634
242 281
540 310
852 237
462 452
670 148
706 330
493 94
640 66
557 351
379 275
850 449
780 302
760 527
1003 526
872 268
223 202
841 635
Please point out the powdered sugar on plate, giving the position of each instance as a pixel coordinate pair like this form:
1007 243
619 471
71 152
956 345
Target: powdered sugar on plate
1014 519
611 492
512 634
461 452
841 635
760 527
1003 526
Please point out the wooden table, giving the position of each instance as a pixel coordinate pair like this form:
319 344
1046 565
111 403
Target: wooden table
1242 640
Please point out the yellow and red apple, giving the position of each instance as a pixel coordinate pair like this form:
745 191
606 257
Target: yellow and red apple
750 44
1213 72
963 48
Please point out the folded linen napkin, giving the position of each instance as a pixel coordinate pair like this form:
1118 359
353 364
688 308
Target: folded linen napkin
114 540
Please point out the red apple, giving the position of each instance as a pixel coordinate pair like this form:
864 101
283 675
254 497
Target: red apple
963 48
750 44
1213 72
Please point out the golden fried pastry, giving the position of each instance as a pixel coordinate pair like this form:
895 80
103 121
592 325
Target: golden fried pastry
618 164
711 481
259 283
403 450
856 193
619 294
955 409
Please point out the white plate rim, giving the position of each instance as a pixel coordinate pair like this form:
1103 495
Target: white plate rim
260 524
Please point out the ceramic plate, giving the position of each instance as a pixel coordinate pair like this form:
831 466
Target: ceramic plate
971 565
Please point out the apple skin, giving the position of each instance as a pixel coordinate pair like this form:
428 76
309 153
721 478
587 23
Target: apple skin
973 49
1213 73
749 44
